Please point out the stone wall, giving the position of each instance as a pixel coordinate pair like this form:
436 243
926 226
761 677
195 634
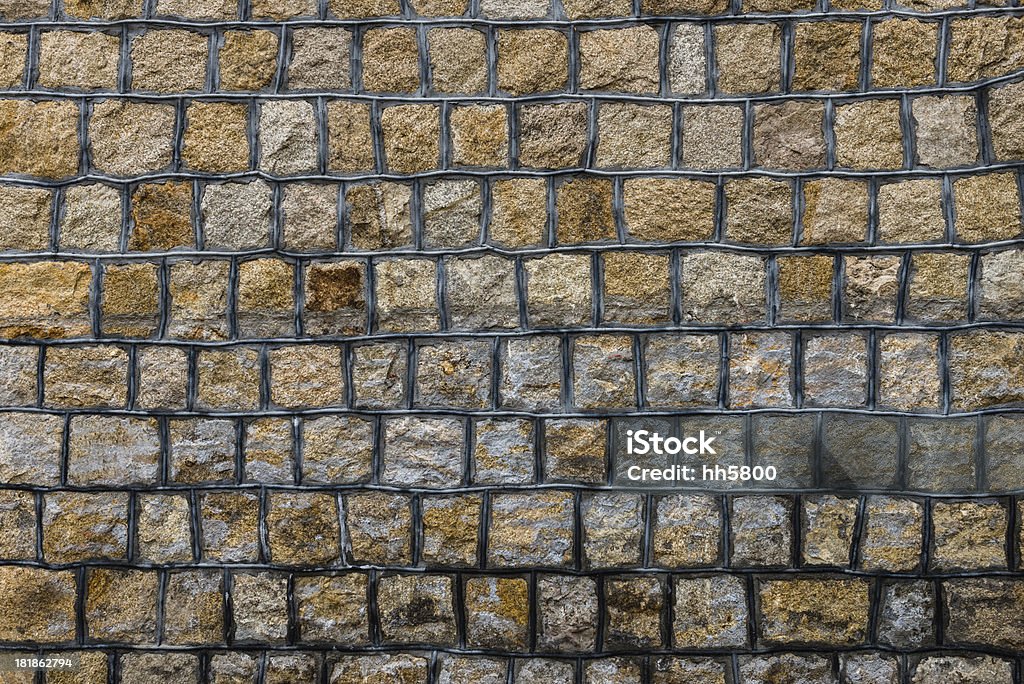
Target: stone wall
322 324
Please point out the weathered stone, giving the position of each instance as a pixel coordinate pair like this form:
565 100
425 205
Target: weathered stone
423 451
759 370
686 531
531 529
893 533
985 47
710 612
102 9
787 668
759 211
498 612
515 9
941 455
164 528
170 60
458 60
30 448
870 668
584 206
113 450
722 287
412 137
815 611
805 287
911 211
676 670
40 138
908 372
786 442
748 57
390 60
233 668
532 61
544 670
309 217
194 607
337 450
416 609
460 669
712 136
946 131
682 370
307 376
86 61
379 374
503 452
1004 121
248 61
827 55
230 522
202 450
216 137
633 612
131 300
969 535
92 218
335 298
39 604
451 213
79 526
760 530
687 61
121 606
482 293
558 290
984 611
450 529
332 608
989 378
907 614
161 217
621 60
637 288
18 516
981 669
1000 287
613 528
987 207
904 53
454 373
871 288
288 137
567 612
379 215
268 451
406 294
479 135
938 286
575 450
869 136
265 304
172 668
259 607
236 216
789 135
320 59
640 136
397 667
349 137
303 528
859 452
603 372
835 369
18 367
828 526
378 527
229 379
518 212
553 135
162 377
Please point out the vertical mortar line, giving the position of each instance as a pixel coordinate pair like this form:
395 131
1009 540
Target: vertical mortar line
378 449
252 132
1013 545
942 56
819 449
980 455
322 136
903 287
723 371
798 369
196 214
926 543
96 298
664 32
596 288
903 454
232 295
299 300
161 598
380 163
56 217
676 141
908 129
772 291
469 437
264 360
838 276
341 216
948 209
830 134
38 502
215 43
786 56
40 376
873 186
265 556
650 511
719 234
860 525
461 611
573 85
132 525
552 212
412 357
945 386
32 49
276 228
752 608
568 394
444 144
416 214
298 448
372 607
866 48
370 293
618 209
796 548
240 446
228 591
164 432
495 375
84 113
81 596
984 131
491 57
192 379
602 613
196 525
65 441
441 273
872 370
520 273
178 134
513 137
710 67
798 211
747 141
577 530
675 266
483 529
133 376
641 376
593 134
284 56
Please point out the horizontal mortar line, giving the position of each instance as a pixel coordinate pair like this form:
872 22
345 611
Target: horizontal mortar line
710 328
474 413
484 250
589 96
511 489
535 173
424 649
608 22
761 573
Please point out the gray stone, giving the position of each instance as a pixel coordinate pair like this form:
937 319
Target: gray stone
18 367
613 528
828 525
785 442
451 213
460 669
423 452
1004 440
687 531
1001 289
760 528
907 615
941 669
941 455
288 137
113 450
416 609
893 531
234 668
786 668
259 604
603 374
531 372
482 293
337 450
567 613
529 670
710 612
946 131
503 452
859 451
164 528
682 370
454 373
236 215
379 374
836 370
870 668
686 60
